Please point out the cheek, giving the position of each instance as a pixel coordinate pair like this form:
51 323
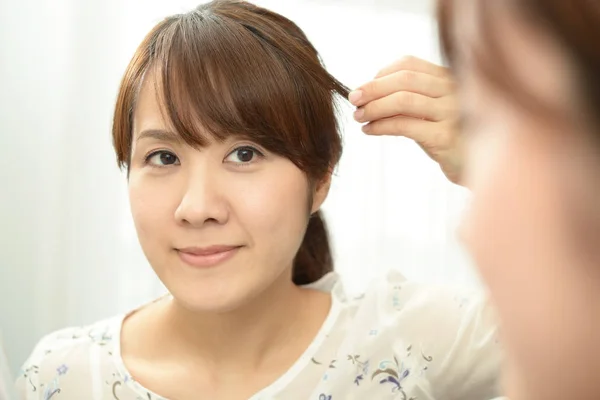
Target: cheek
510 228
151 206
273 206
511 225
517 231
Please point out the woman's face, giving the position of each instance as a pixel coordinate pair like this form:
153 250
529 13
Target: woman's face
219 224
533 225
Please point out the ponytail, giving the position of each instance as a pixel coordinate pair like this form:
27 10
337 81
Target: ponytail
314 259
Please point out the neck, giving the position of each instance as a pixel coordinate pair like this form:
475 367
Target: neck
263 329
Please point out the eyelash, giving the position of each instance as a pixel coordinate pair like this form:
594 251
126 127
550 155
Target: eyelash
253 149
155 153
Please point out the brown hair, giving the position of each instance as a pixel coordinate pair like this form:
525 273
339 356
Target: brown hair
232 68
574 24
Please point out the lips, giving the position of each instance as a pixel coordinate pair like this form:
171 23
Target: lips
206 257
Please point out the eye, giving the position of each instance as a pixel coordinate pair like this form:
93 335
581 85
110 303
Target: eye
162 158
243 155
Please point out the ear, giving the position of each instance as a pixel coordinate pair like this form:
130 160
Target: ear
320 192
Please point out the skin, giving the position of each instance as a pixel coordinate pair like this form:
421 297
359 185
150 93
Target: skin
231 329
533 225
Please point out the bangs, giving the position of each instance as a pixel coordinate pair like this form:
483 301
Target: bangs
217 76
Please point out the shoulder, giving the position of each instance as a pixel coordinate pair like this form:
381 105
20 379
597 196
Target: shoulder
67 340
453 329
67 354
423 305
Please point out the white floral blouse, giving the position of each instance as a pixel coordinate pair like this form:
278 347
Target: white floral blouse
400 340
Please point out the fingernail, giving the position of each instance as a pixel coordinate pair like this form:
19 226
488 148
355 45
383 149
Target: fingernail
355 96
358 114
366 128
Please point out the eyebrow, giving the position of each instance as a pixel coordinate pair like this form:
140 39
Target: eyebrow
158 134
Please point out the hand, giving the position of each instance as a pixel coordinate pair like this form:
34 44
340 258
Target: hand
415 99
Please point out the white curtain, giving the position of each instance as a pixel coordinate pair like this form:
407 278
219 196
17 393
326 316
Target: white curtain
69 251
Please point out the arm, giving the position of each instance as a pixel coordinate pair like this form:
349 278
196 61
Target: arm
38 377
27 383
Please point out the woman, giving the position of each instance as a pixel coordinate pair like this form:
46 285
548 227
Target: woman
529 87
226 124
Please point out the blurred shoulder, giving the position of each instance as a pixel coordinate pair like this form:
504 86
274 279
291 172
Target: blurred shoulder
454 328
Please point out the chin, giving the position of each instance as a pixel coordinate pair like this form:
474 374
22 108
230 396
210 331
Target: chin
219 289
209 306
210 296
214 292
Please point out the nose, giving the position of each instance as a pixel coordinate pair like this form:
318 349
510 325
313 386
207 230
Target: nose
202 201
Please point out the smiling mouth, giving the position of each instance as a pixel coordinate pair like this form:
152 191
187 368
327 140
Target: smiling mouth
207 257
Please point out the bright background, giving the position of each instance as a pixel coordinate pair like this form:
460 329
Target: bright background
69 254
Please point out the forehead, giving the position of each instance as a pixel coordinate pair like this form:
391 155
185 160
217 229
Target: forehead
151 117
147 110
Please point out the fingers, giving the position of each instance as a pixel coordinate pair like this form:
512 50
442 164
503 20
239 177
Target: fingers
401 81
412 63
406 104
412 128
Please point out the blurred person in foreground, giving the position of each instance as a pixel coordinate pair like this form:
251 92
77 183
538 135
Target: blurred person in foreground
529 95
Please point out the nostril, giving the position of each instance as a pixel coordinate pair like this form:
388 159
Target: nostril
206 221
